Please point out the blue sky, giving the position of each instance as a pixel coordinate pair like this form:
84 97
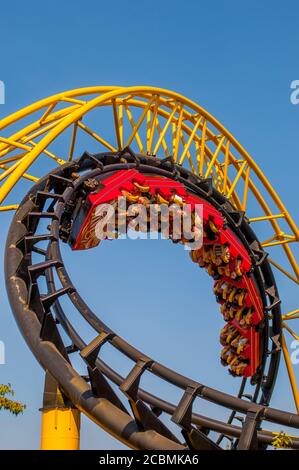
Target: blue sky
237 60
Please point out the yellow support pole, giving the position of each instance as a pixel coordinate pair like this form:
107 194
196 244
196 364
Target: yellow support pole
60 429
60 420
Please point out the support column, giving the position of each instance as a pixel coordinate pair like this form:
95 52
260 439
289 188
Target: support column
60 420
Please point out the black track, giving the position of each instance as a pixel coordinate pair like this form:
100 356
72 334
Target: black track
40 317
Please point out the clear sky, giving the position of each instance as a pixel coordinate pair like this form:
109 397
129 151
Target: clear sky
236 59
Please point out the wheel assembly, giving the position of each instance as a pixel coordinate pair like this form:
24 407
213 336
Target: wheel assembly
168 159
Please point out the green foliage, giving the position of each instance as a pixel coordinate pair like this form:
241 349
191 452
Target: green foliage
12 406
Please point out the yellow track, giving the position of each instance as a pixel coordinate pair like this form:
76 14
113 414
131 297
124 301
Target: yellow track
158 122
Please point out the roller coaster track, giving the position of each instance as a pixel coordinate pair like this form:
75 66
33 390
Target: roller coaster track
165 132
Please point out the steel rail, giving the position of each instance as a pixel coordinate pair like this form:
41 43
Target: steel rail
177 379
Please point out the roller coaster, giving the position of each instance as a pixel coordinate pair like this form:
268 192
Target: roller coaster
152 147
